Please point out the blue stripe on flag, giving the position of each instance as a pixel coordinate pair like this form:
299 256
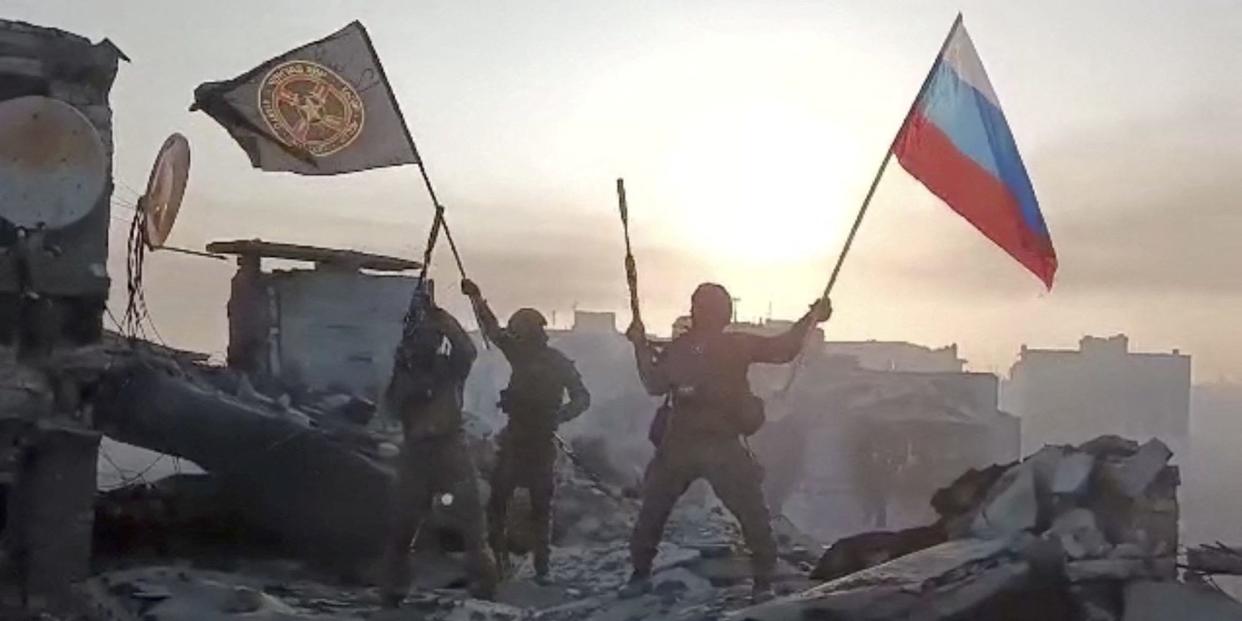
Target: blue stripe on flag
979 130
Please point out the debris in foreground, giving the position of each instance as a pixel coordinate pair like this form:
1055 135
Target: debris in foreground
1068 532
1086 532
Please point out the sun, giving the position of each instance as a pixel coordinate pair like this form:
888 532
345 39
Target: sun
756 185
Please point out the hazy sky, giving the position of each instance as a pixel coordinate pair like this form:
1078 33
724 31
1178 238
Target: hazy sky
747 132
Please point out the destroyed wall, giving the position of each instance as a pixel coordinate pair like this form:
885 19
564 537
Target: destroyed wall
1068 396
53 63
336 328
53 286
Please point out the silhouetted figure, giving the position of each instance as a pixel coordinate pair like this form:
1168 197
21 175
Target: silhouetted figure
704 374
426 392
535 402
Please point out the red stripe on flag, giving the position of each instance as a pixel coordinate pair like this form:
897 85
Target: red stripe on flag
970 190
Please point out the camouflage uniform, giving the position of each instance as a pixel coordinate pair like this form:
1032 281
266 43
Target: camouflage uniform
705 373
434 458
535 404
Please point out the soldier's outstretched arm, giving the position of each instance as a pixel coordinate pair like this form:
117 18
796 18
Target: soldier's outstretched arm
579 396
649 371
784 347
487 319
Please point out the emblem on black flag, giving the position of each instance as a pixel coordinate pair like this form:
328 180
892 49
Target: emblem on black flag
309 106
323 109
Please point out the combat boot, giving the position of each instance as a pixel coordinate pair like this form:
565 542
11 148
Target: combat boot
391 600
639 584
761 590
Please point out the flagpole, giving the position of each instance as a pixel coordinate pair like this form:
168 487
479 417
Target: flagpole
875 183
888 155
439 220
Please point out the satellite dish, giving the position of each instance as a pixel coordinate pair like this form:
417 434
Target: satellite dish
165 188
53 167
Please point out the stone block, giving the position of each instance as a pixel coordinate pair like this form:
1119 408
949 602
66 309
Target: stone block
1079 534
1133 475
1011 506
1073 474
1110 446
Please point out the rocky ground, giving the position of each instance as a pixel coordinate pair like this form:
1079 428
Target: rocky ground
1087 533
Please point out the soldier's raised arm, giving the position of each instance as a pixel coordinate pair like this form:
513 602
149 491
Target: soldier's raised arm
784 347
579 396
488 324
649 371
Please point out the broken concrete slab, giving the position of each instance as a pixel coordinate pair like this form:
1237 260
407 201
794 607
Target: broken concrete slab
1079 534
1011 507
1121 569
859 552
320 490
941 582
965 493
1133 475
1161 601
1109 446
1073 474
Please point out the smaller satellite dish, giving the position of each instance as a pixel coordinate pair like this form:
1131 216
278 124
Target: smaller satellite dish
165 188
53 167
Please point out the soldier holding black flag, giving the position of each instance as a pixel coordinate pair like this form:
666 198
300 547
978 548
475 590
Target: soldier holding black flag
426 393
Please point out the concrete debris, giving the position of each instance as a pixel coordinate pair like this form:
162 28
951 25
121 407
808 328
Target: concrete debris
1079 534
1013 507
1109 446
1072 475
1093 570
1061 534
1159 601
859 552
1132 475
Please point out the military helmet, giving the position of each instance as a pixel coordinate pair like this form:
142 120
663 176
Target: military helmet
711 302
526 322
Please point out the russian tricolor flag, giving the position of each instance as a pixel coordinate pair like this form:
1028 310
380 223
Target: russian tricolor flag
957 142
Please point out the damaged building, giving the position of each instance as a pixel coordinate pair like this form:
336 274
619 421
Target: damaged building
1102 387
333 327
55 190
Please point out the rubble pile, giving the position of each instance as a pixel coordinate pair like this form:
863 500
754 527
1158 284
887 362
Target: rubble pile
1087 532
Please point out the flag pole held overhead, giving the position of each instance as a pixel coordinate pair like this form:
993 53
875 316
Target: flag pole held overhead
879 173
439 221
322 109
956 141
631 268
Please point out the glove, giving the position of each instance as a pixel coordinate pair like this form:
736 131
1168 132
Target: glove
821 310
636 332
469 289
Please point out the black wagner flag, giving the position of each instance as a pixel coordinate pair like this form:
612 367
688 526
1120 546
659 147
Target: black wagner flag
322 109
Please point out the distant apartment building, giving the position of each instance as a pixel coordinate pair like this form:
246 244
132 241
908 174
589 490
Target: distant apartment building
1069 396
873 355
898 356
